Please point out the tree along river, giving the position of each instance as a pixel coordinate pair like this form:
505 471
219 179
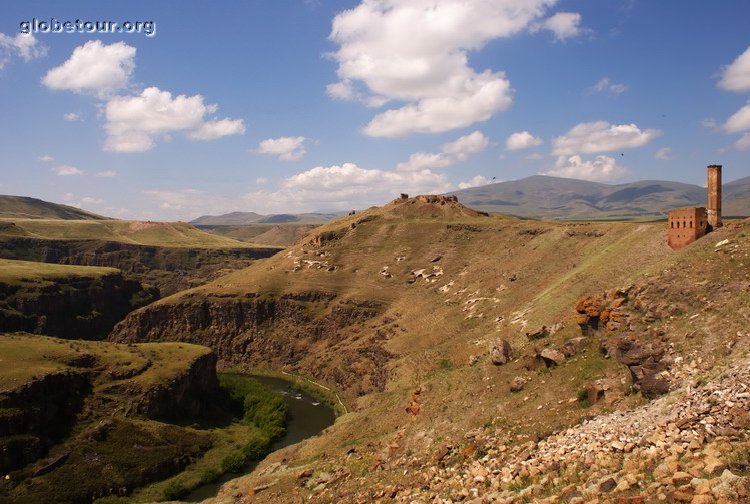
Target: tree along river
306 417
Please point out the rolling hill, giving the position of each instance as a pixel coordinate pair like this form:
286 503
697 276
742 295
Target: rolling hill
22 207
247 218
424 316
554 198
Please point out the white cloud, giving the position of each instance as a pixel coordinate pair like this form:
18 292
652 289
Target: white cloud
286 148
563 25
743 143
46 158
133 123
94 68
89 200
606 85
736 76
212 130
23 45
522 140
477 181
261 181
601 168
345 187
665 154
450 153
67 171
600 136
106 173
740 120
382 57
534 157
72 116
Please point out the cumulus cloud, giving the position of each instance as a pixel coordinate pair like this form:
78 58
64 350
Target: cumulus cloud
450 153
261 180
382 57
72 116
665 154
94 68
134 123
286 148
67 171
23 45
743 143
740 120
45 158
600 136
563 25
477 181
606 85
736 76
106 173
344 187
522 140
601 168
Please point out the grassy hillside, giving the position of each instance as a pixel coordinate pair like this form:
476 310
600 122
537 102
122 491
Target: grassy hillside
29 273
399 309
163 234
279 235
21 207
247 218
543 197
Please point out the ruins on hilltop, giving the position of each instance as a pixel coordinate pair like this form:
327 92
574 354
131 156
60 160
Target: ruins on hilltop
685 225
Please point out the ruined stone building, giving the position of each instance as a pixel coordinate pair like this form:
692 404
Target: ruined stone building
685 225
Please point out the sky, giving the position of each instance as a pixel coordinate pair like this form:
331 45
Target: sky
172 110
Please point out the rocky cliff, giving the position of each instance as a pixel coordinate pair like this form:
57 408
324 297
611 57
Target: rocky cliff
168 268
285 331
37 414
77 307
188 394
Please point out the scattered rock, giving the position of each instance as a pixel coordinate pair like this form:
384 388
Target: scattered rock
501 352
517 384
551 357
540 333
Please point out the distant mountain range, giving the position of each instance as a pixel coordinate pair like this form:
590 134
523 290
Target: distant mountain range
248 218
22 207
543 197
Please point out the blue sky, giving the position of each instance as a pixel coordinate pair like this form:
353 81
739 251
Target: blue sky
304 105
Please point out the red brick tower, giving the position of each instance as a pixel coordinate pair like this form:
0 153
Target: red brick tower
713 198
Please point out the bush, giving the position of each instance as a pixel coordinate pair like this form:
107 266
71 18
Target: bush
258 405
209 476
175 491
234 462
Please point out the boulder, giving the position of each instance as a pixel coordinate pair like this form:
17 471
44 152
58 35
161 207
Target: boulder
501 352
540 333
573 346
517 384
551 357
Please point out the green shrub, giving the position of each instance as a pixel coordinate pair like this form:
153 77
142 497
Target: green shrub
234 462
209 476
175 491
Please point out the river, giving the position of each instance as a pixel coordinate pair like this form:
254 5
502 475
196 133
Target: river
306 417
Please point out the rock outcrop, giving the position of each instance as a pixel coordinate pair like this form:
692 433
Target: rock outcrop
292 332
75 308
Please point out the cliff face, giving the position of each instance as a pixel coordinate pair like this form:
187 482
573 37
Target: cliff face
168 268
78 307
188 394
35 415
309 333
76 417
